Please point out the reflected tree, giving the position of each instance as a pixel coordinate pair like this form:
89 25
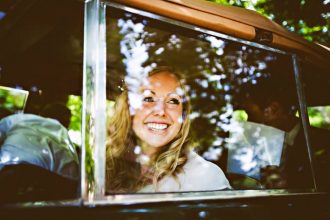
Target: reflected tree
214 70
308 18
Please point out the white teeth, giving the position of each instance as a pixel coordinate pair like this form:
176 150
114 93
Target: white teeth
157 126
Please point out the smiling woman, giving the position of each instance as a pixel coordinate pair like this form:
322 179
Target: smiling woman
158 120
148 148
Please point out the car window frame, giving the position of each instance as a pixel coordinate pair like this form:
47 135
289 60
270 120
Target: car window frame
94 128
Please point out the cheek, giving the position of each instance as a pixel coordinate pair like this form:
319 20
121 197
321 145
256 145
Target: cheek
177 116
137 119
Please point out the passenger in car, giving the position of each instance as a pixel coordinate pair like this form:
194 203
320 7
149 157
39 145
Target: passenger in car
148 146
31 139
277 108
57 111
4 113
278 115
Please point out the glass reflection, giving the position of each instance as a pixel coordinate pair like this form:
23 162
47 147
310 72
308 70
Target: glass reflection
242 104
148 149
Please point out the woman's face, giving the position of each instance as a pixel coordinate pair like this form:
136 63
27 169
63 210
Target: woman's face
159 119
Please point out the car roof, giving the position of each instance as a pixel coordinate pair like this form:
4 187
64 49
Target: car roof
234 21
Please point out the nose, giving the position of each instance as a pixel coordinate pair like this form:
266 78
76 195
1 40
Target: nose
159 108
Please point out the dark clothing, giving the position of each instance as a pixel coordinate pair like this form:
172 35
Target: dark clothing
296 163
320 140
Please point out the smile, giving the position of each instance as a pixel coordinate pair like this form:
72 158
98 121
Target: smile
156 126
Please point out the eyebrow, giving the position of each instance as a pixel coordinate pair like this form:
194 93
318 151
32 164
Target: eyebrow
152 92
168 94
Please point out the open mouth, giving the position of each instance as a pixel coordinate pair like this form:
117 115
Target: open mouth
157 126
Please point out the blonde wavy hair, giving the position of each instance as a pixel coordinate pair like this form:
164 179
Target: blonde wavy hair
123 171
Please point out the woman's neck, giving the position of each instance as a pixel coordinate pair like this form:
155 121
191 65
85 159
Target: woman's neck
148 150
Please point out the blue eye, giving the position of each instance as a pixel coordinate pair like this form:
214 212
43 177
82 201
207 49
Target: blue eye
148 99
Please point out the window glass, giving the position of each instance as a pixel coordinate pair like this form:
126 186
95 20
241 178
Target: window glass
195 112
317 85
40 99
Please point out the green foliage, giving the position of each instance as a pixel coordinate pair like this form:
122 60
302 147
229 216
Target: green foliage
223 2
319 116
308 18
75 104
240 3
89 162
11 99
240 115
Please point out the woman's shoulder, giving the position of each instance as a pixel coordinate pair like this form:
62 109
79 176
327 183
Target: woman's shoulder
204 174
195 160
198 175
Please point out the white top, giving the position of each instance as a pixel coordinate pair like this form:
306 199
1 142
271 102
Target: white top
198 175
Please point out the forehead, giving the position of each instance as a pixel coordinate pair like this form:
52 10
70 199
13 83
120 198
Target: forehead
163 81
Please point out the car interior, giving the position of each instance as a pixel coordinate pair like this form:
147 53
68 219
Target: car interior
231 85
41 54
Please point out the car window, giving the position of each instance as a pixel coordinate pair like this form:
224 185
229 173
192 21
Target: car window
195 111
41 54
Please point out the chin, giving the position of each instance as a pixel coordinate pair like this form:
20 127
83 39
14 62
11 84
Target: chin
157 144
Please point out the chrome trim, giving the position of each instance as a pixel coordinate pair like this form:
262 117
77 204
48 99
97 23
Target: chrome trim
94 125
84 128
303 113
100 108
191 27
194 196
43 204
